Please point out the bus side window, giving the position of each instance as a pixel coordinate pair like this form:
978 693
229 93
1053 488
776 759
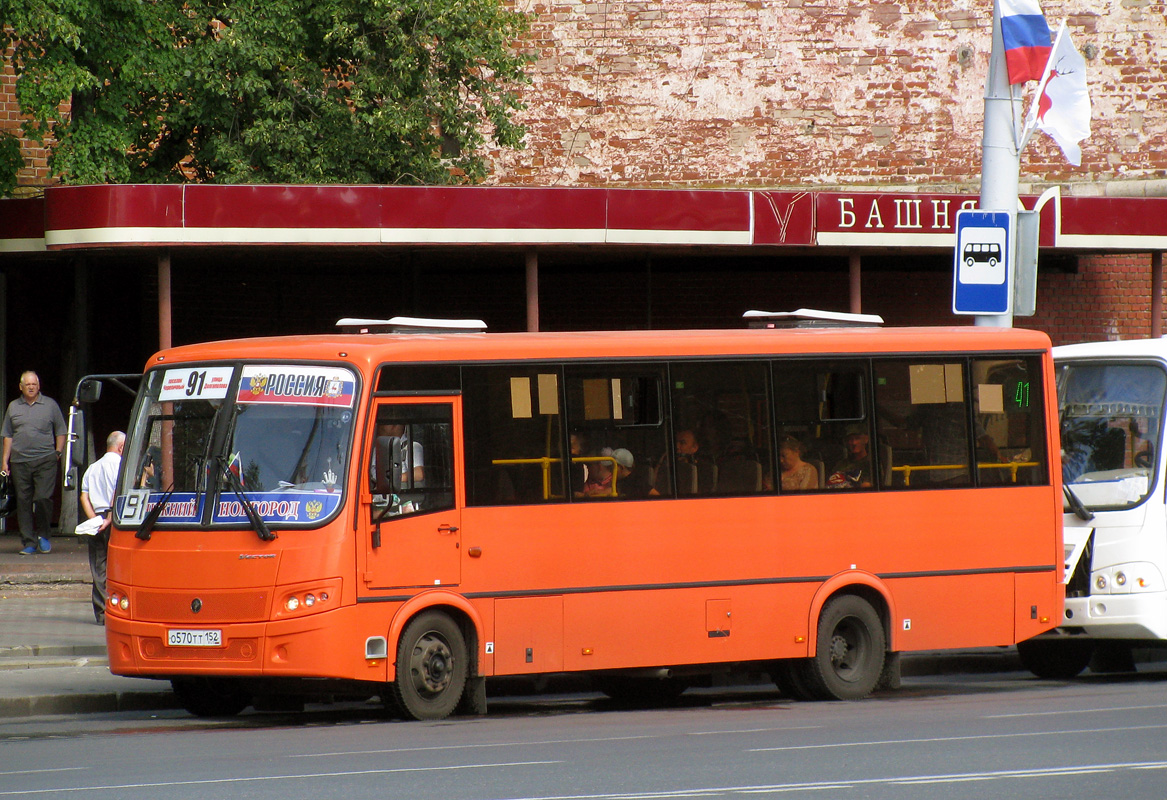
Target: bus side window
514 434
818 406
617 417
1010 442
923 422
724 409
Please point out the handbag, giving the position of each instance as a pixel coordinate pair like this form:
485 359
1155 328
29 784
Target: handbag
7 495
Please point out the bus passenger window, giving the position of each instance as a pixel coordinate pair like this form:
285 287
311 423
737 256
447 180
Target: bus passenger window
514 435
821 413
1010 428
922 419
616 415
723 441
411 462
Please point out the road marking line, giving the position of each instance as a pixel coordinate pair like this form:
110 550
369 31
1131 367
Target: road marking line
837 785
481 746
260 778
1072 711
954 738
756 730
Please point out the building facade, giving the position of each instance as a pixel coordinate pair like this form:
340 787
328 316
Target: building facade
768 98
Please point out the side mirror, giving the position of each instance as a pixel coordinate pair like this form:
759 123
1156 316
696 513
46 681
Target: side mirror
387 479
89 391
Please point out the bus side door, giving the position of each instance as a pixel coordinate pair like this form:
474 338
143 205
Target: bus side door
410 511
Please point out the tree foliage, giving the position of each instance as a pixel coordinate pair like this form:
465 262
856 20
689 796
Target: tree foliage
267 91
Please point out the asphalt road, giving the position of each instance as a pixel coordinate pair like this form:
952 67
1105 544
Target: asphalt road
964 736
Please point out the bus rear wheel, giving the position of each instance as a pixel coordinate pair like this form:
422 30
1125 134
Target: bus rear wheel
848 659
210 697
1055 659
431 667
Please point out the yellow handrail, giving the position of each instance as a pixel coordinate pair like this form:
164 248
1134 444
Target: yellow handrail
1012 466
545 463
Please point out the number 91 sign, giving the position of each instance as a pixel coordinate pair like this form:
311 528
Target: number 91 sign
206 383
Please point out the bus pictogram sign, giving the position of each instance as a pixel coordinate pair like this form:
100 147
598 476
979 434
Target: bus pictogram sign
982 280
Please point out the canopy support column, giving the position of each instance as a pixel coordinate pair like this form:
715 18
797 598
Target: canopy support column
856 284
164 319
532 290
1156 294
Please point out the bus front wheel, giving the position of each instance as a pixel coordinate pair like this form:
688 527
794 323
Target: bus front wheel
848 659
431 667
1055 659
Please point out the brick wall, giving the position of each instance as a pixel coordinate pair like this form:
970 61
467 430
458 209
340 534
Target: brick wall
1109 297
815 93
805 93
35 174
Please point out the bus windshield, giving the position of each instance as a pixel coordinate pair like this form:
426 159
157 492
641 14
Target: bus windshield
284 431
1111 416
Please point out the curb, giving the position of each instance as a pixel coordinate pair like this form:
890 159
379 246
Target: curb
30 651
90 703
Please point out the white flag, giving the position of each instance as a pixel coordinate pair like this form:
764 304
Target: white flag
1062 109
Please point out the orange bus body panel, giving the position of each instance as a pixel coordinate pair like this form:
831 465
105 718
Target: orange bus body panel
585 586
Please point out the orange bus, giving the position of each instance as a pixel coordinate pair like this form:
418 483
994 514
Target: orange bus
405 516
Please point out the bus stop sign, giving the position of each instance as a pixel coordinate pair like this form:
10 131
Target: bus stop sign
982 281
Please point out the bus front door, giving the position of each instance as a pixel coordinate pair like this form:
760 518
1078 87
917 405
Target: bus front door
410 510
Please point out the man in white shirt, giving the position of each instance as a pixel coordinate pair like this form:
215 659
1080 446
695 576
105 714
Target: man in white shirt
97 492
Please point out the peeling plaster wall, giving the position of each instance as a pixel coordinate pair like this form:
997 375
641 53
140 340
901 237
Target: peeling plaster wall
820 93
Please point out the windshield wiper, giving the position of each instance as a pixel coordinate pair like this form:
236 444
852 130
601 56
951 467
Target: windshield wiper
147 526
1076 505
261 529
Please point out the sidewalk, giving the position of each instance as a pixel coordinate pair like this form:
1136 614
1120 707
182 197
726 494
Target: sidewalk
53 657
52 654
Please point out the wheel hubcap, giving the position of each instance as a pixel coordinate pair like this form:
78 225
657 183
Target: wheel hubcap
847 648
431 664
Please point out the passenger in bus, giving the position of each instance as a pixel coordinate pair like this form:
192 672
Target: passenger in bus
580 448
631 483
854 471
599 481
689 473
797 475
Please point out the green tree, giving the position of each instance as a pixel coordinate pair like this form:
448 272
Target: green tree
266 91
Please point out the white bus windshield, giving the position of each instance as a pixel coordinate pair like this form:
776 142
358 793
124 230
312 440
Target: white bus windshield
1111 419
284 431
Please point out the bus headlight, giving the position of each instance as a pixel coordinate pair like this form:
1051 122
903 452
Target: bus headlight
1132 578
118 600
308 599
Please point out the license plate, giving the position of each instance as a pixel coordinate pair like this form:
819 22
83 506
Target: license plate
187 638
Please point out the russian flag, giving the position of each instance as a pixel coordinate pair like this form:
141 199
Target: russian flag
1027 39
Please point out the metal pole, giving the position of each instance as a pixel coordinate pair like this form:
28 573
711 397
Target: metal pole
532 290
1000 159
164 321
856 284
1156 294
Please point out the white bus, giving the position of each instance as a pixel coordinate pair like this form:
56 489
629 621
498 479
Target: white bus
1110 403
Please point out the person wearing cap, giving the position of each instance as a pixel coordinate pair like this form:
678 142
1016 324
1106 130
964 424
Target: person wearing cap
630 483
599 477
854 471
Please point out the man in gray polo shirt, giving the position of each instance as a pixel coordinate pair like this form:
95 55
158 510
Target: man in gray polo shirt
34 436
